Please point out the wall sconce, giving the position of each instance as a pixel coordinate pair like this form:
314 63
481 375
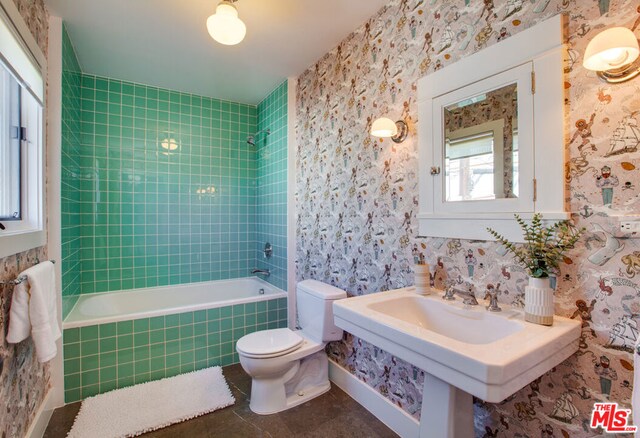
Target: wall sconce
613 53
387 128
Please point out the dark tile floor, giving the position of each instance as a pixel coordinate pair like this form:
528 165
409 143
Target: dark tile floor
333 414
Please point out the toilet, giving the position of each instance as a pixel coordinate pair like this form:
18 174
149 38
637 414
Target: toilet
289 367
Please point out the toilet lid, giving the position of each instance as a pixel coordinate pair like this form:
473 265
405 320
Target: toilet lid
269 342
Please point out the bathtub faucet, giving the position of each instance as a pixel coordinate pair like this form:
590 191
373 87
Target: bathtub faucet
264 272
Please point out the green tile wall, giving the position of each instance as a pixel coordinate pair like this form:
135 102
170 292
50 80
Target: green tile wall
103 357
70 186
272 185
153 217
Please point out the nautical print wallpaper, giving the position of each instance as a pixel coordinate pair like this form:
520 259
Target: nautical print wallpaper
357 199
23 381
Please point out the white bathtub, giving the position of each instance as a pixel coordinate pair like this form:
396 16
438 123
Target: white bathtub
92 309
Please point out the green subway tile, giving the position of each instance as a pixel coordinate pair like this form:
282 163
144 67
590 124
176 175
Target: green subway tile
172 320
156 336
89 347
200 316
141 367
213 314
172 360
186 318
125 370
226 324
172 347
71 335
71 350
125 381
108 359
156 323
71 381
107 330
141 338
172 334
71 366
187 344
199 329
125 341
89 333
141 325
90 377
157 350
186 331
125 355
72 395
91 390
125 327
106 386
108 373
108 344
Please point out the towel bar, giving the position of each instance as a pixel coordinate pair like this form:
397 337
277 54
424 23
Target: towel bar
17 280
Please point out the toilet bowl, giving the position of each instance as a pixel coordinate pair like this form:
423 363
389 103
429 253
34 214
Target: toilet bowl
289 367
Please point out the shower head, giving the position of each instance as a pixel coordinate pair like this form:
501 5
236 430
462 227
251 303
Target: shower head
252 138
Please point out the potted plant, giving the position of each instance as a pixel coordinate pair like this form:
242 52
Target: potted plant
540 255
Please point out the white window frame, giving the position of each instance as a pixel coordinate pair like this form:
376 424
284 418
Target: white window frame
28 232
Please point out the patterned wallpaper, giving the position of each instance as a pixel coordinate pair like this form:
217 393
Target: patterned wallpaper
358 198
23 381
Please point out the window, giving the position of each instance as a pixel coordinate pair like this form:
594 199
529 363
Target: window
10 133
21 138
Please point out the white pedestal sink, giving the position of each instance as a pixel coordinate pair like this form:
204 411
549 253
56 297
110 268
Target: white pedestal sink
465 350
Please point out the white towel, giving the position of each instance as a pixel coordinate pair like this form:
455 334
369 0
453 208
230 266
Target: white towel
635 399
34 311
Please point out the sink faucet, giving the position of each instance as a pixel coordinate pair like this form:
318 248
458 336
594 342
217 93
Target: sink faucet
468 296
264 272
492 294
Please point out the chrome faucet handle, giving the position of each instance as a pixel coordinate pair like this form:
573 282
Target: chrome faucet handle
449 294
470 298
492 294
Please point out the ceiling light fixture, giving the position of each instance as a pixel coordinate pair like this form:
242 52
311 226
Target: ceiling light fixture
224 26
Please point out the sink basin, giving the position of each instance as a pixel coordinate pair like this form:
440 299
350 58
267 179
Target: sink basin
446 320
464 350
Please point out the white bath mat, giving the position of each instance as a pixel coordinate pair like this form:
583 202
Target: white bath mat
137 409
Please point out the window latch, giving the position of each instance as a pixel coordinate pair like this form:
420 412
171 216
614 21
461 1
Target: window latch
23 133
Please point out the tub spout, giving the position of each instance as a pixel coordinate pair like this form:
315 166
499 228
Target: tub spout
264 272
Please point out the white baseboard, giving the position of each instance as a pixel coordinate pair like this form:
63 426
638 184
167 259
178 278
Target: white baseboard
395 418
41 420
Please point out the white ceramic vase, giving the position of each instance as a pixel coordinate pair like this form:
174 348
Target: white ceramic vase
538 301
422 278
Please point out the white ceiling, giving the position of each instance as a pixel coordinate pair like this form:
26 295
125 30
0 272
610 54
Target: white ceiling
165 42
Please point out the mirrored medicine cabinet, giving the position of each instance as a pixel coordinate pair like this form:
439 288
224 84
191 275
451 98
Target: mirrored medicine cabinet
491 140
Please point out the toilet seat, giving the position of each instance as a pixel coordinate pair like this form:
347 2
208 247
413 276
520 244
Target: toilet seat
269 343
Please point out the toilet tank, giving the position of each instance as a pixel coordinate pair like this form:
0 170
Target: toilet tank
314 300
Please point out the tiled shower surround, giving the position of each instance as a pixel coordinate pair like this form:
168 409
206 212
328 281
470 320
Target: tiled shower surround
103 357
161 187
168 187
70 185
272 185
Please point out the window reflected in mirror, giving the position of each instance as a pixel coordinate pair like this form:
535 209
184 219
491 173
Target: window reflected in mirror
481 146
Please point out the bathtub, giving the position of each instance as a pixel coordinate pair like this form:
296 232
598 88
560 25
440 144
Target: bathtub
100 308
117 339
